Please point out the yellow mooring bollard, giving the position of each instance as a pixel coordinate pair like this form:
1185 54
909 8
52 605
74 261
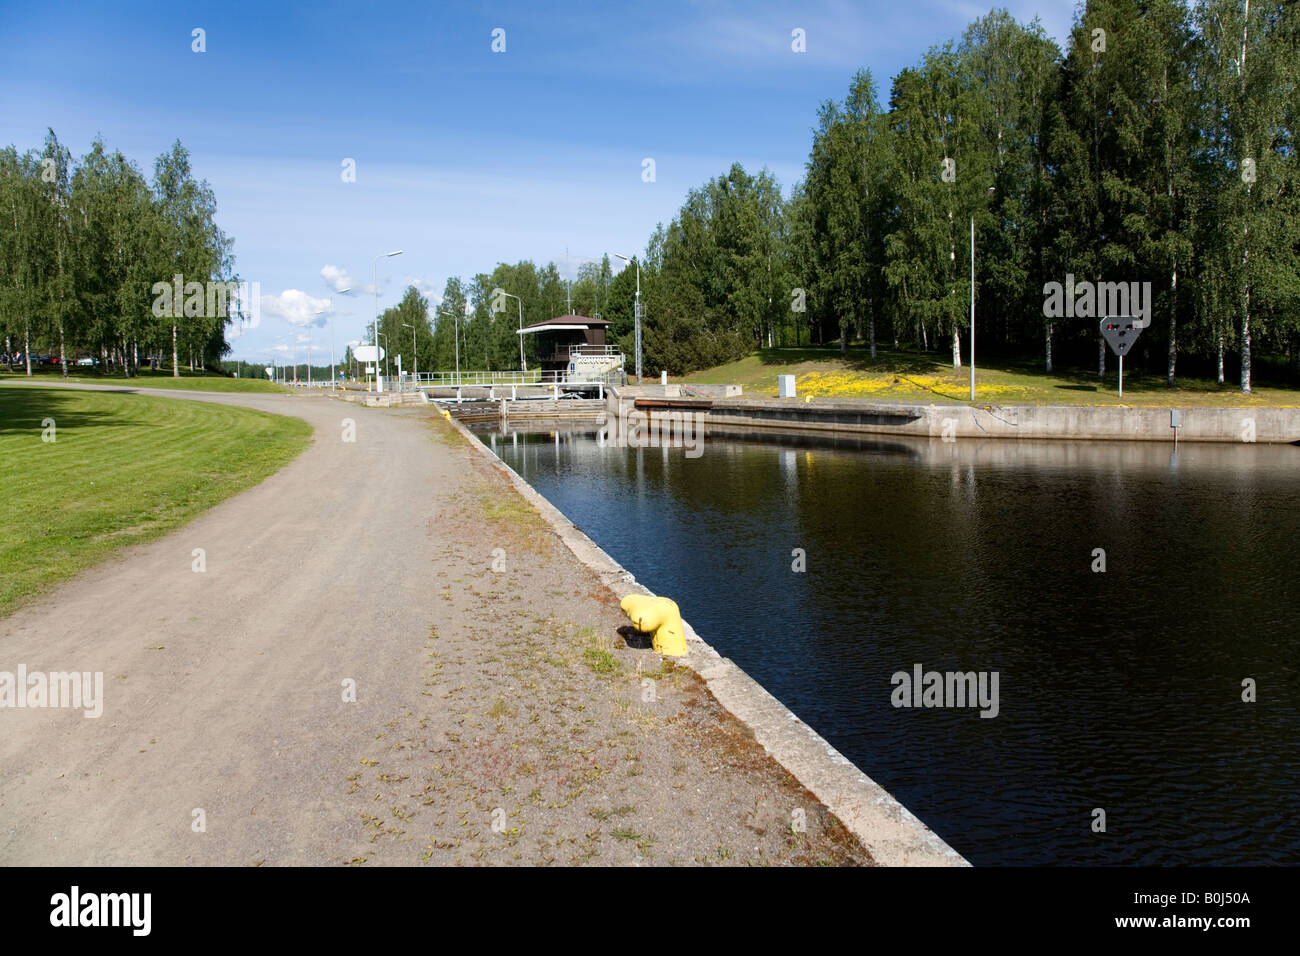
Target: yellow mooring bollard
659 617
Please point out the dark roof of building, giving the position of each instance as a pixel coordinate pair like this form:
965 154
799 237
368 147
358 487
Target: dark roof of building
569 321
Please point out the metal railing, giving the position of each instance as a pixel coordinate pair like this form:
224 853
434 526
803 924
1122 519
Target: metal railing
452 379
546 378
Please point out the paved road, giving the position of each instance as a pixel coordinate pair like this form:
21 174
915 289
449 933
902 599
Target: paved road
224 685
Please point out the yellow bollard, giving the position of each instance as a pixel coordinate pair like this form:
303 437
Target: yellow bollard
659 617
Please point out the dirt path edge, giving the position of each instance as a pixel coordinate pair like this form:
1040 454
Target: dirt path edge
892 833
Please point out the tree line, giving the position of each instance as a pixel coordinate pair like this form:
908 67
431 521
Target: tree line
86 248
1158 148
464 324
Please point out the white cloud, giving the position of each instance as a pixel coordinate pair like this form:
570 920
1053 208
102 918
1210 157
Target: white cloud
295 307
425 287
336 277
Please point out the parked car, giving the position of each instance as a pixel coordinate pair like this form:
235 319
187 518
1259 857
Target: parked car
87 360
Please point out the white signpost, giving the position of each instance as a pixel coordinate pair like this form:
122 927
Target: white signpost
369 353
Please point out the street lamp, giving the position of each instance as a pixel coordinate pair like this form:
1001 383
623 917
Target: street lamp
523 366
972 302
283 371
374 268
309 325
333 373
414 353
636 312
455 334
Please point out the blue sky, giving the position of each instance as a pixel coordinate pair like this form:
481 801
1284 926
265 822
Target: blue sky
464 157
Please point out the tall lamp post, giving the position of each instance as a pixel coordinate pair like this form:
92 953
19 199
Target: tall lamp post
523 366
636 312
972 302
333 373
455 334
374 269
283 370
378 336
414 353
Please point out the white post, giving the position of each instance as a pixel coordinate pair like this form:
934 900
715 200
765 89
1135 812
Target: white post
374 275
972 307
374 265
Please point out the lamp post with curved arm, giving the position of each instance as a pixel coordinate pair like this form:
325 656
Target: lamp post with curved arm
523 366
455 333
374 268
636 311
414 352
333 373
972 301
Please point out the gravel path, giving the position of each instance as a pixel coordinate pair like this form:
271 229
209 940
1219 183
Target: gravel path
497 718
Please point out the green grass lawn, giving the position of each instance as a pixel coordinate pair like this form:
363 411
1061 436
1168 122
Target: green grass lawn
122 469
190 381
929 378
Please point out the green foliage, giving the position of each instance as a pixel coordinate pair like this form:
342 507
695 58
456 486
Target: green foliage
406 330
1247 67
716 283
82 245
1158 147
1123 160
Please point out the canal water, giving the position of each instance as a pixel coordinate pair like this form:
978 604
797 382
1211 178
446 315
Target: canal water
1118 690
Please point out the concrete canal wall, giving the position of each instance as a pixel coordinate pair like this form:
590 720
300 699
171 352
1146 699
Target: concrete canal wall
723 407
893 835
952 422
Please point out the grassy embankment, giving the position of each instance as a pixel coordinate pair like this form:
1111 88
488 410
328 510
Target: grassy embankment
926 379
121 469
189 381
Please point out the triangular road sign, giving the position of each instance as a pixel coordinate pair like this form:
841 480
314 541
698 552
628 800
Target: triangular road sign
1120 332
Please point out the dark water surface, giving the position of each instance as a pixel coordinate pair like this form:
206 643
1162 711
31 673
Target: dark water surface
1119 690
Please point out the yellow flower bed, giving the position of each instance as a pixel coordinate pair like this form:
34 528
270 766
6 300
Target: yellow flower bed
847 384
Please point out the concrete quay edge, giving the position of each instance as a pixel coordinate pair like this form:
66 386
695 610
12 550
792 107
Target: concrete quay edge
890 832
